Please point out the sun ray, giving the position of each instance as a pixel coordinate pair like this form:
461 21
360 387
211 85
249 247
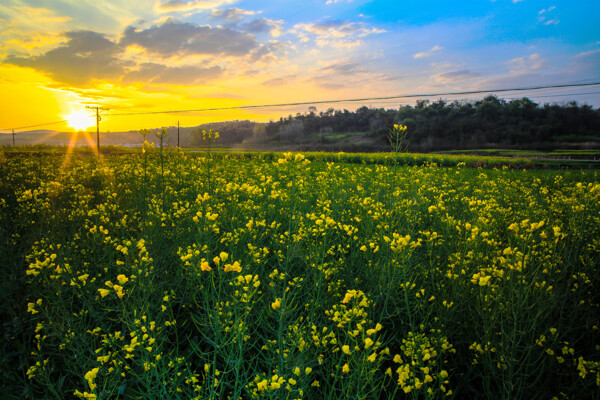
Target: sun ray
70 147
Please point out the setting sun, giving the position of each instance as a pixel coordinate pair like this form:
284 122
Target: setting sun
79 120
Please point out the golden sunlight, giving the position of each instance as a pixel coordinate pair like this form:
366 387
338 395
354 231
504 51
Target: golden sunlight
79 120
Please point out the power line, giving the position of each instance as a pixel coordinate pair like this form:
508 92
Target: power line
534 88
565 94
33 126
361 99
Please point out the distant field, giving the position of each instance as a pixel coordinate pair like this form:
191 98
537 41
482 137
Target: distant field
572 154
272 276
485 158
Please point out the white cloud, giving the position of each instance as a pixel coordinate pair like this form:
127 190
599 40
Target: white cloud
587 53
552 22
334 33
231 14
159 73
542 16
175 37
523 65
340 44
454 76
429 53
262 25
545 10
337 29
86 56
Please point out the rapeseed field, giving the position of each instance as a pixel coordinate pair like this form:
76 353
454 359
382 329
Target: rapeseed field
178 276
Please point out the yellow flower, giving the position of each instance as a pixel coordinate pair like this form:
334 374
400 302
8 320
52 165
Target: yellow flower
223 256
368 343
90 376
484 280
233 267
104 292
119 290
345 368
262 385
275 385
122 279
276 304
85 395
308 370
346 349
205 267
372 357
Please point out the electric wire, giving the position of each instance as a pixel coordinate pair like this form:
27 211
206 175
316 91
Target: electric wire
357 100
34 126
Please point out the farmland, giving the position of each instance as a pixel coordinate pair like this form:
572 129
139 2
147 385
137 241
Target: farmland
284 276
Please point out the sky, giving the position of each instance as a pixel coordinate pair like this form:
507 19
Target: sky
145 56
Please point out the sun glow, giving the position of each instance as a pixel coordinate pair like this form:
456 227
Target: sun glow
79 120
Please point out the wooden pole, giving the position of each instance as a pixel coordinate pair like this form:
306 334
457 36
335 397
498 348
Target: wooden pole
98 128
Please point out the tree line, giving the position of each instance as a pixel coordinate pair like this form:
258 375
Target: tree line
438 125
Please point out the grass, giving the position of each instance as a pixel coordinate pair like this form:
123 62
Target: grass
340 136
283 276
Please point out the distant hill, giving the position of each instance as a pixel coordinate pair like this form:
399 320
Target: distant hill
127 139
51 137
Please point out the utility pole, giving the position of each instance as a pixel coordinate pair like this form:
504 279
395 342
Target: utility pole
177 134
98 118
13 138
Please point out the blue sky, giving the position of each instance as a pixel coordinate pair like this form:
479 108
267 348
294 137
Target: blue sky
144 54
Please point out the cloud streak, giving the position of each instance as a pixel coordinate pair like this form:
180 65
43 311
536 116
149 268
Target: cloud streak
179 5
184 75
334 33
429 53
452 77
